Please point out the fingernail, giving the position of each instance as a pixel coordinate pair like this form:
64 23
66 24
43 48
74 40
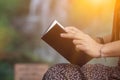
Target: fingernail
61 35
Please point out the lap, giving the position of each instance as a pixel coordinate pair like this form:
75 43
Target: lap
75 72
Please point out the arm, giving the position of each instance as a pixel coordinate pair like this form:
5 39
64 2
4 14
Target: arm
85 43
111 49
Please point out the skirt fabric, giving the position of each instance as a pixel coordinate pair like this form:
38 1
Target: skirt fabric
87 72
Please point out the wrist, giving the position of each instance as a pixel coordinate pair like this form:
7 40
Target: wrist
100 53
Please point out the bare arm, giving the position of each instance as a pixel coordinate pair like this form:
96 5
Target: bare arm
90 46
111 49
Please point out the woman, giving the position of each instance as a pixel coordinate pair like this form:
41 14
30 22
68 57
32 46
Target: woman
108 46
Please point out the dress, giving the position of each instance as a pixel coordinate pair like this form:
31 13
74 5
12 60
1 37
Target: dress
87 72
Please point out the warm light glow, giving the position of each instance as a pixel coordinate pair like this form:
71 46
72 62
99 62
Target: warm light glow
88 12
97 2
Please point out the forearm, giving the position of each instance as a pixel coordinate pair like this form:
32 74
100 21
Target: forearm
85 43
111 49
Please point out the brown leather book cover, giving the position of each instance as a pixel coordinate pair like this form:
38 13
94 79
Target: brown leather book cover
64 46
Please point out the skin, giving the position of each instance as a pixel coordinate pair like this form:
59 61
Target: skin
92 46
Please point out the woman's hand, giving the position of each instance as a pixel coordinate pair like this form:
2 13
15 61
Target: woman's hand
82 41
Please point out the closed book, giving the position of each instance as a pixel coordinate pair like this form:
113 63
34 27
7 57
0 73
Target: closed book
64 46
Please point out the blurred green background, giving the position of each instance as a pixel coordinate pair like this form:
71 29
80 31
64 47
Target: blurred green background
11 49
22 23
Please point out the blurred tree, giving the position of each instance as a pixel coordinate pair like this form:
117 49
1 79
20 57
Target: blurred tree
10 39
11 48
7 8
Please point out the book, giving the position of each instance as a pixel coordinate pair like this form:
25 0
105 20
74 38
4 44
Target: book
64 46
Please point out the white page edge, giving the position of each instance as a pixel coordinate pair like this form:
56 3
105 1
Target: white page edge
54 23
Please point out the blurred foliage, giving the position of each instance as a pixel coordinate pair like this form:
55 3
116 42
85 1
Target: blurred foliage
7 5
12 41
6 71
8 35
11 48
9 8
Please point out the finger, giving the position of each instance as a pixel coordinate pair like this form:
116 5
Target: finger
73 29
76 32
79 36
80 47
72 36
78 42
70 31
67 35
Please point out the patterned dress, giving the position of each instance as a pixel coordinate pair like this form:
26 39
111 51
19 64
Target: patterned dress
87 72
